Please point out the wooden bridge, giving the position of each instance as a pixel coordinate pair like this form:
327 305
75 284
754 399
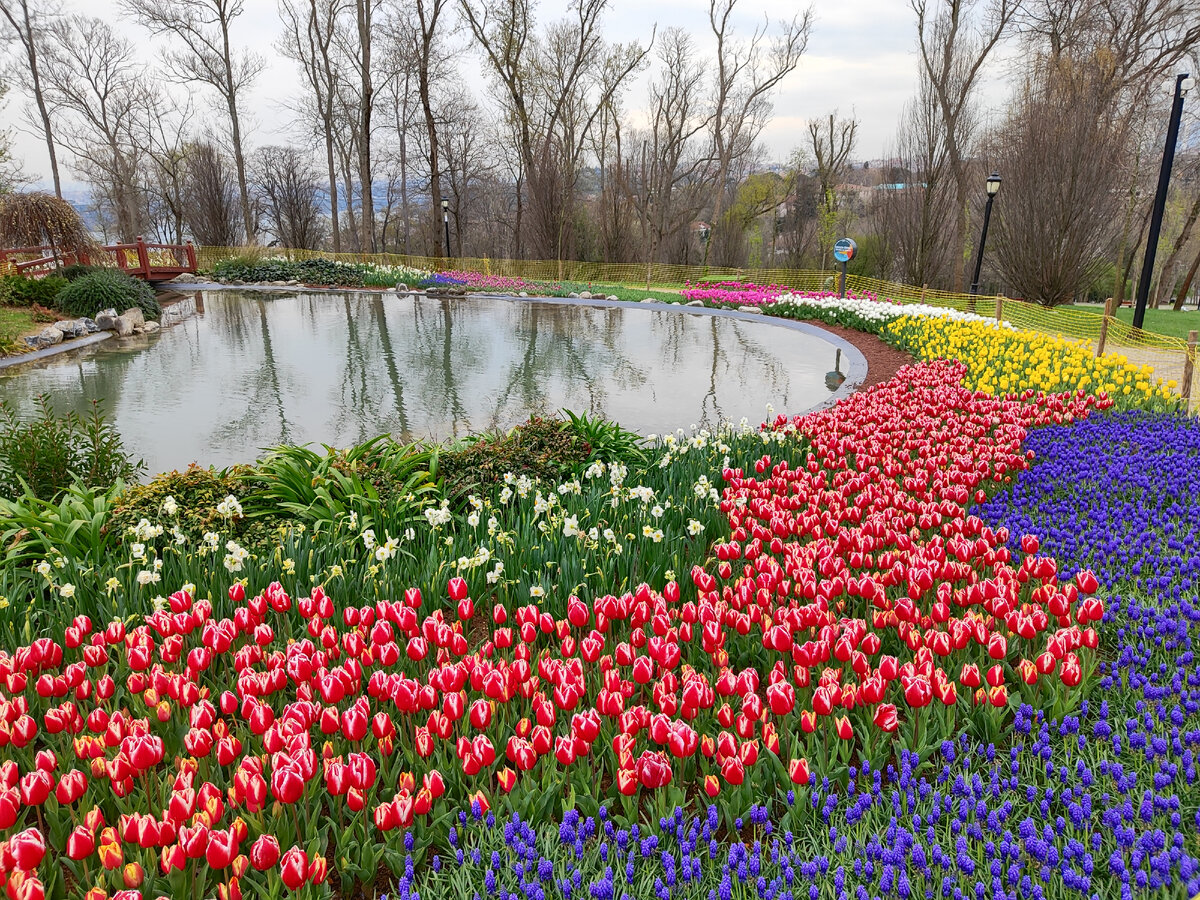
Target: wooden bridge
148 261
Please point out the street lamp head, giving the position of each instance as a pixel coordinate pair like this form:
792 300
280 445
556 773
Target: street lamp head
445 205
993 184
1186 83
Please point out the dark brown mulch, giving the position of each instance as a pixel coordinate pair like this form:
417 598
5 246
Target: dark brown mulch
882 361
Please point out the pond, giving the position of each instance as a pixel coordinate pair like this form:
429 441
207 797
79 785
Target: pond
252 370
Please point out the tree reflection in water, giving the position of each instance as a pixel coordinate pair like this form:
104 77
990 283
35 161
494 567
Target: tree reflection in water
258 369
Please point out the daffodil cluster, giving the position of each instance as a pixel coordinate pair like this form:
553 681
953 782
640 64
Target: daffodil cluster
1007 361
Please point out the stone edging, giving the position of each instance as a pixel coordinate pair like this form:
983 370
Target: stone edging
74 344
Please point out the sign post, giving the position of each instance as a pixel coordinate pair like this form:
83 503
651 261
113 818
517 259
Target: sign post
843 252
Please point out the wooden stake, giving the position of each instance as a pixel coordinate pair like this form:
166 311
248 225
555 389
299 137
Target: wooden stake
1108 314
999 309
1185 387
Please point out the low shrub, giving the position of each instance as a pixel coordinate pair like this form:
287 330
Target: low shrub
17 290
545 448
76 271
105 289
186 500
46 454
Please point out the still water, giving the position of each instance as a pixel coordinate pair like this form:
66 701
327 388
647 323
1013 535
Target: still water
250 371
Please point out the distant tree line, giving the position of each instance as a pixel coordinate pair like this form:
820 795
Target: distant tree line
555 162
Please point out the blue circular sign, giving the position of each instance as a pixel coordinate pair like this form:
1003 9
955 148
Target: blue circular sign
844 250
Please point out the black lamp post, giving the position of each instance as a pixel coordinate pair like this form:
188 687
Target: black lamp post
993 188
1182 84
446 223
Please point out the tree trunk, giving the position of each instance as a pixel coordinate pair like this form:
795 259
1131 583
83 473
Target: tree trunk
1181 297
367 101
39 97
239 158
402 130
333 191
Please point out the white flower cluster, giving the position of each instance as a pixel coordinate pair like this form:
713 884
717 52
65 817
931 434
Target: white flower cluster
229 508
882 311
236 556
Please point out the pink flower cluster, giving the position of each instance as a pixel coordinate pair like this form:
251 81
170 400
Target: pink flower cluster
479 281
738 293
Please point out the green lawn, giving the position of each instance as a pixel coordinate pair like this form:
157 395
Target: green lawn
15 321
1160 321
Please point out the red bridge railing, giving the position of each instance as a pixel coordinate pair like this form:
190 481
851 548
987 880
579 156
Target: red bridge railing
148 261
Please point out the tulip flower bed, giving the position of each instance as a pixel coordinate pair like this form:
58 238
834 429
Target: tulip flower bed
257 738
1003 360
1101 804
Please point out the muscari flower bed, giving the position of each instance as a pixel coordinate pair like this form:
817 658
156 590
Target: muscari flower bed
874 682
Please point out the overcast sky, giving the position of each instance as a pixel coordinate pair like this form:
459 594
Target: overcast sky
860 59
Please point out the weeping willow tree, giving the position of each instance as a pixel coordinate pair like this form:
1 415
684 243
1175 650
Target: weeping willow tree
36 219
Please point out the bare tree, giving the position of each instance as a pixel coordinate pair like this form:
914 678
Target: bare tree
468 166
955 39
747 73
917 207
553 89
208 57
95 81
674 168
286 185
832 141
356 43
27 19
163 134
213 209
309 28
421 35
10 172
1061 150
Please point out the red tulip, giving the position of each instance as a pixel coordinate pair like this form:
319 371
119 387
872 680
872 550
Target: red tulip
798 771
293 868
627 782
712 786
265 853
970 676
457 589
81 843
885 717
132 875
844 729
1071 672
507 779
222 849
318 869
781 697
27 849
287 785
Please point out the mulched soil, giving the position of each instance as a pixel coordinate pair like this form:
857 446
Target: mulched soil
882 361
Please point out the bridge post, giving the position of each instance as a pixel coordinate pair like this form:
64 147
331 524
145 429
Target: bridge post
191 255
143 257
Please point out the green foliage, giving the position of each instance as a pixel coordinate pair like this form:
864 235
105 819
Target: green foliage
45 455
540 448
255 270
17 290
108 288
608 440
70 526
379 481
76 270
195 494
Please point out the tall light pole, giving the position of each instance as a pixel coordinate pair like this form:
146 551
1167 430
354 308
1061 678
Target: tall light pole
1182 84
993 188
446 223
